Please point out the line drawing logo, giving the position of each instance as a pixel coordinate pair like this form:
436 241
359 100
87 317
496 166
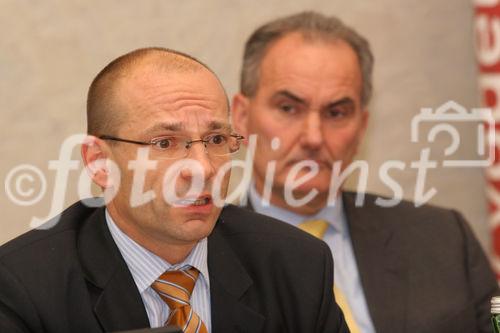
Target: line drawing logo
452 112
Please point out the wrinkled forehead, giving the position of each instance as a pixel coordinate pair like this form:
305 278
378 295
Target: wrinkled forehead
181 101
190 124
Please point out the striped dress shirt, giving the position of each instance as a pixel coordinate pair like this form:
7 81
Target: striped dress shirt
146 267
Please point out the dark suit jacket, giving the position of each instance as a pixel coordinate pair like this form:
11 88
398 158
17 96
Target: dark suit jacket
421 269
265 276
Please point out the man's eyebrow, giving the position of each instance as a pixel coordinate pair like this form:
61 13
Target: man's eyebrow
342 101
218 125
290 95
171 126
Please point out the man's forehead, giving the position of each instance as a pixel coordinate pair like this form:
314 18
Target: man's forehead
298 50
171 91
294 62
150 75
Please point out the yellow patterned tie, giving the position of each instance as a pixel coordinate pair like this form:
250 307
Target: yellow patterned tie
175 288
318 228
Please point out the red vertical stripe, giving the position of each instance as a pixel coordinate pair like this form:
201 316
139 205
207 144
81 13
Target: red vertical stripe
487 47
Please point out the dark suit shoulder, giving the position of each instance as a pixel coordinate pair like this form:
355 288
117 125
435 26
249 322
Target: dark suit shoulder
439 263
258 239
43 272
433 235
403 215
237 220
58 231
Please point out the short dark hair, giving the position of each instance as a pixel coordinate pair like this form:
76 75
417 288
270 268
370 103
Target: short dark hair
311 25
102 118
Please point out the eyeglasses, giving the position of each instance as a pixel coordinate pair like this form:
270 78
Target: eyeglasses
172 147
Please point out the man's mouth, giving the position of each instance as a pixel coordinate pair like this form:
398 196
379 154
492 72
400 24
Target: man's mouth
319 162
194 201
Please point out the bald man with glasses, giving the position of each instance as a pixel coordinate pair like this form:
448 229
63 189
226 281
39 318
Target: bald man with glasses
181 260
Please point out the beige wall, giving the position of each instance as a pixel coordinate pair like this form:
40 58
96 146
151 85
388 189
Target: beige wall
50 51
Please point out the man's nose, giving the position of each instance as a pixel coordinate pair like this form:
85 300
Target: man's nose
312 136
198 152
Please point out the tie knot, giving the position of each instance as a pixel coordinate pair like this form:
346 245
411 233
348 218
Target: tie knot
175 287
316 228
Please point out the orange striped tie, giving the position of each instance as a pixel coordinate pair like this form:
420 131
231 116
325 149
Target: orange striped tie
175 288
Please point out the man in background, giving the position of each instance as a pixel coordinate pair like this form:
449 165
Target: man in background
158 253
305 85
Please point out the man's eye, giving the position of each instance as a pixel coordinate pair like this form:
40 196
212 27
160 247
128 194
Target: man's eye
287 108
218 139
335 113
164 143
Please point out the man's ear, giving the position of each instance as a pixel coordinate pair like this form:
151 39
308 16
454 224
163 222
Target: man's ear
94 155
366 117
240 109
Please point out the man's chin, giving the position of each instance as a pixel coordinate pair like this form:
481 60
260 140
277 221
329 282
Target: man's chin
198 229
320 186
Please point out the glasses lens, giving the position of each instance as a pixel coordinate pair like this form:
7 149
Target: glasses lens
177 147
230 145
170 147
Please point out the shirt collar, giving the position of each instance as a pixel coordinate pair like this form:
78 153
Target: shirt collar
333 214
146 266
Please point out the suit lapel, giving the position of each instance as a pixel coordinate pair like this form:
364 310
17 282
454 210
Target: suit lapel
249 205
381 265
117 302
228 284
